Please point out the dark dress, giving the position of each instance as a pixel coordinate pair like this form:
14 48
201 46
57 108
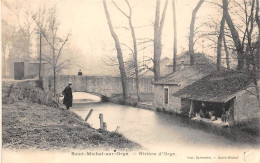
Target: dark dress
67 92
79 73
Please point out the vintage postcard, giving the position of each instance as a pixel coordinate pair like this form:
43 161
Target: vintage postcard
130 81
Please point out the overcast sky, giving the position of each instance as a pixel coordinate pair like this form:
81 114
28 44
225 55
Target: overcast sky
90 32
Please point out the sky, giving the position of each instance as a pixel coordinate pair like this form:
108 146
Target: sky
90 35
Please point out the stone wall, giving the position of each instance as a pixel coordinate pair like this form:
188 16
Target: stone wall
174 103
102 85
245 105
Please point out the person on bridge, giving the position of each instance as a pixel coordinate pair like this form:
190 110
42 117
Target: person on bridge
67 93
79 73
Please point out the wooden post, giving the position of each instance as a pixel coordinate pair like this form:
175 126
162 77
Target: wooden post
104 125
101 121
89 114
191 113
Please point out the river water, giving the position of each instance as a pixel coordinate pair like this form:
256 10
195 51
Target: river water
154 130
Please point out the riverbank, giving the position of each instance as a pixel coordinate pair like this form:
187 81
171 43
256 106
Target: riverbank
247 132
132 101
28 125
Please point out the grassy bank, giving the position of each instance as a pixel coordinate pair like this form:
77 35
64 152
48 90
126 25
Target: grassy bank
28 125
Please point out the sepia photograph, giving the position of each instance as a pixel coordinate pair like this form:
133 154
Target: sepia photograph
131 81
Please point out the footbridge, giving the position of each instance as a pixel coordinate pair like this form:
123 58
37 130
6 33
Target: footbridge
104 86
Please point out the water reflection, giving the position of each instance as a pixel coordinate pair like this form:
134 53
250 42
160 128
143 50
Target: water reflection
153 130
83 97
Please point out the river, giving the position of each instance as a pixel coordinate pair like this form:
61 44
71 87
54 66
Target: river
154 130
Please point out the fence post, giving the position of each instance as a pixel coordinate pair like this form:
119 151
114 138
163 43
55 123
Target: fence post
104 125
89 114
101 121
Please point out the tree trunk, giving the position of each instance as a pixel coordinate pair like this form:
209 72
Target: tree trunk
249 51
157 54
54 82
54 65
3 61
235 36
175 36
257 83
28 55
119 53
258 25
40 56
257 64
191 37
158 27
257 72
135 58
220 38
227 53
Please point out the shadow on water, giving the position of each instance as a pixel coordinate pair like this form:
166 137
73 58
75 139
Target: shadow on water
231 135
83 97
153 129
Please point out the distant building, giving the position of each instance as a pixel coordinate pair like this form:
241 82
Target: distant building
229 91
183 60
165 87
30 69
163 68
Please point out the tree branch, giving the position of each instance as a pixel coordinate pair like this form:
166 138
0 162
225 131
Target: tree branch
120 9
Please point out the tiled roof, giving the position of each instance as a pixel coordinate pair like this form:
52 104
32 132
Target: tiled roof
186 75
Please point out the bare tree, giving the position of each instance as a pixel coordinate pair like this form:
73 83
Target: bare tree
175 36
220 38
249 31
119 52
257 58
235 36
191 36
41 18
27 27
55 42
134 52
243 26
158 27
7 36
227 52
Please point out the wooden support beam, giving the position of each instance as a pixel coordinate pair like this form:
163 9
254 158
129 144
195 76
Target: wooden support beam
191 113
231 110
